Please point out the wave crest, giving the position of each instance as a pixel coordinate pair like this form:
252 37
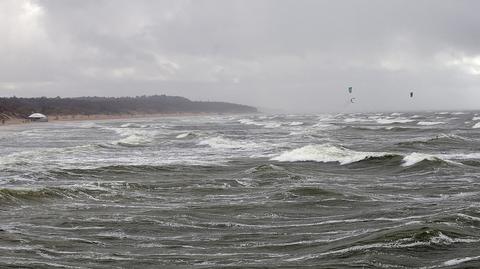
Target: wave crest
224 143
326 153
270 124
414 158
429 123
392 121
186 135
135 140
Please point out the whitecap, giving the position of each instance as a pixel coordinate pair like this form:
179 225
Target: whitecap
133 125
224 143
476 126
320 127
415 157
323 126
182 135
476 118
249 122
185 135
325 153
133 137
264 124
428 123
452 158
296 123
272 125
395 120
134 140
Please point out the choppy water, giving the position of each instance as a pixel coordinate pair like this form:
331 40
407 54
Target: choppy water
282 191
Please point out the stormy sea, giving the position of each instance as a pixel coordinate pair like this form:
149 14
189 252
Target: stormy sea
365 190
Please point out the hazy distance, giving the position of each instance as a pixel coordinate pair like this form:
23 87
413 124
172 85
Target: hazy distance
297 56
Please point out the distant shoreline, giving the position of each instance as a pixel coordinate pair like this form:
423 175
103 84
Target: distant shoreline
17 109
95 117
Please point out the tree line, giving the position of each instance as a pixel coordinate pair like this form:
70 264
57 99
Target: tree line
23 107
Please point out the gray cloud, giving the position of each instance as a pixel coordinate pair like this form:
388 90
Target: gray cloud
295 55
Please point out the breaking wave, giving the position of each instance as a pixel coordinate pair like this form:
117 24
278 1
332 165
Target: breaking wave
133 137
225 143
450 159
134 125
384 128
414 158
186 135
271 124
326 153
392 121
428 123
249 122
135 140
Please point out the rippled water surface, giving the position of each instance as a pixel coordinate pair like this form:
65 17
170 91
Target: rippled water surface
391 190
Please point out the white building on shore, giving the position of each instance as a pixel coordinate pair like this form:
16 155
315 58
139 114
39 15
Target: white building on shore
38 117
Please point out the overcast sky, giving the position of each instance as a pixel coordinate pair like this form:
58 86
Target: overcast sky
295 55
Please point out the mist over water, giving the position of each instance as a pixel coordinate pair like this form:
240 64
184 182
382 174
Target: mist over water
363 190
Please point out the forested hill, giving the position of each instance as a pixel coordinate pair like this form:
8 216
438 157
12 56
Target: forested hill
22 107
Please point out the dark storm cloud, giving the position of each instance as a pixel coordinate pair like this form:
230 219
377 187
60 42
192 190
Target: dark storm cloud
297 55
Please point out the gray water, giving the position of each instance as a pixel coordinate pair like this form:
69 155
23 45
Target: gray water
244 191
